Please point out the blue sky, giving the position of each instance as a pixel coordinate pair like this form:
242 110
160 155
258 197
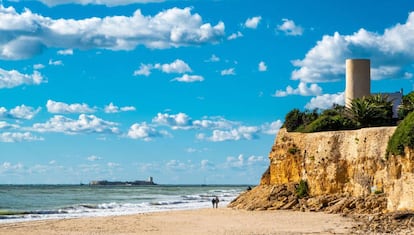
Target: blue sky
184 91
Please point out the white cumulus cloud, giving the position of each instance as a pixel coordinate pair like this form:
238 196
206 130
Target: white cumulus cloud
7 126
13 78
144 70
182 121
326 101
175 121
302 90
271 128
189 78
65 52
253 22
95 2
19 112
257 160
84 124
240 133
262 66
145 132
177 66
12 137
177 165
235 36
226 72
290 28
56 62
235 162
24 112
241 163
61 107
390 52
221 128
111 108
214 123
38 66
27 34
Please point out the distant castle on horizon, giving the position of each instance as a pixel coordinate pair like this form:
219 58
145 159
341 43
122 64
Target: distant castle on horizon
358 83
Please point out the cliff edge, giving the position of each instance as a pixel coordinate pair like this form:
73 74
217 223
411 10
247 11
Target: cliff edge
334 165
345 172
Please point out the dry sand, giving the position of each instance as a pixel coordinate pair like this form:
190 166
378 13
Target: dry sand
201 221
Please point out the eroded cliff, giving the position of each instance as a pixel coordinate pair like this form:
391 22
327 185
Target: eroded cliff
347 163
333 161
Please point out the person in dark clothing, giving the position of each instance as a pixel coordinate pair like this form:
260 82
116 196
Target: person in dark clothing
213 202
217 200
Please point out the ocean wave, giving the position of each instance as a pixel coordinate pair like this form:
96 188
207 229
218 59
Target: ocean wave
164 203
19 215
112 201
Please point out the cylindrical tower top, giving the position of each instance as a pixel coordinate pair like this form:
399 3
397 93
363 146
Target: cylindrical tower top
358 79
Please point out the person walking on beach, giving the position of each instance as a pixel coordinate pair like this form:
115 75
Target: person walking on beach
213 202
216 201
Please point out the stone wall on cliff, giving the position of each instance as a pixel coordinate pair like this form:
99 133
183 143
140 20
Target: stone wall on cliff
352 162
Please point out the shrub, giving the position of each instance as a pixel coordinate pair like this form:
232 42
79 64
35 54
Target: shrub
309 116
302 189
402 137
330 123
376 192
293 150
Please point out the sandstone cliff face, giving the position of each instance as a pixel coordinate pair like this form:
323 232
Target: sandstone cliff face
400 183
335 162
332 162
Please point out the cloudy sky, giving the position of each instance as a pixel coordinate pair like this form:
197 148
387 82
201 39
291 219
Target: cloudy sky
184 91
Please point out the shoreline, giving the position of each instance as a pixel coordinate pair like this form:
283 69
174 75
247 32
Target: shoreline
197 221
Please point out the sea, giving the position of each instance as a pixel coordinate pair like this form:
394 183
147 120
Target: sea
19 203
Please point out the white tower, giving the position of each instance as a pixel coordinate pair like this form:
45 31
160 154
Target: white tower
358 79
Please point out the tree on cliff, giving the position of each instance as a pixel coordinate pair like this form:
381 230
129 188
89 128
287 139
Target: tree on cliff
406 106
296 119
312 121
293 120
370 111
363 112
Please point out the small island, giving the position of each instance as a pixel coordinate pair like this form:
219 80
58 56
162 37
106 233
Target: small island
150 181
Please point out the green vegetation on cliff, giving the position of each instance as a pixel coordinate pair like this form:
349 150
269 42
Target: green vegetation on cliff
407 105
402 137
369 111
302 189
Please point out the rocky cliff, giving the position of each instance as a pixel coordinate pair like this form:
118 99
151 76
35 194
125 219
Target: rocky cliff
351 164
331 162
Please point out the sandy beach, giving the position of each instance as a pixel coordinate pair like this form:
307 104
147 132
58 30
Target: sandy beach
201 221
